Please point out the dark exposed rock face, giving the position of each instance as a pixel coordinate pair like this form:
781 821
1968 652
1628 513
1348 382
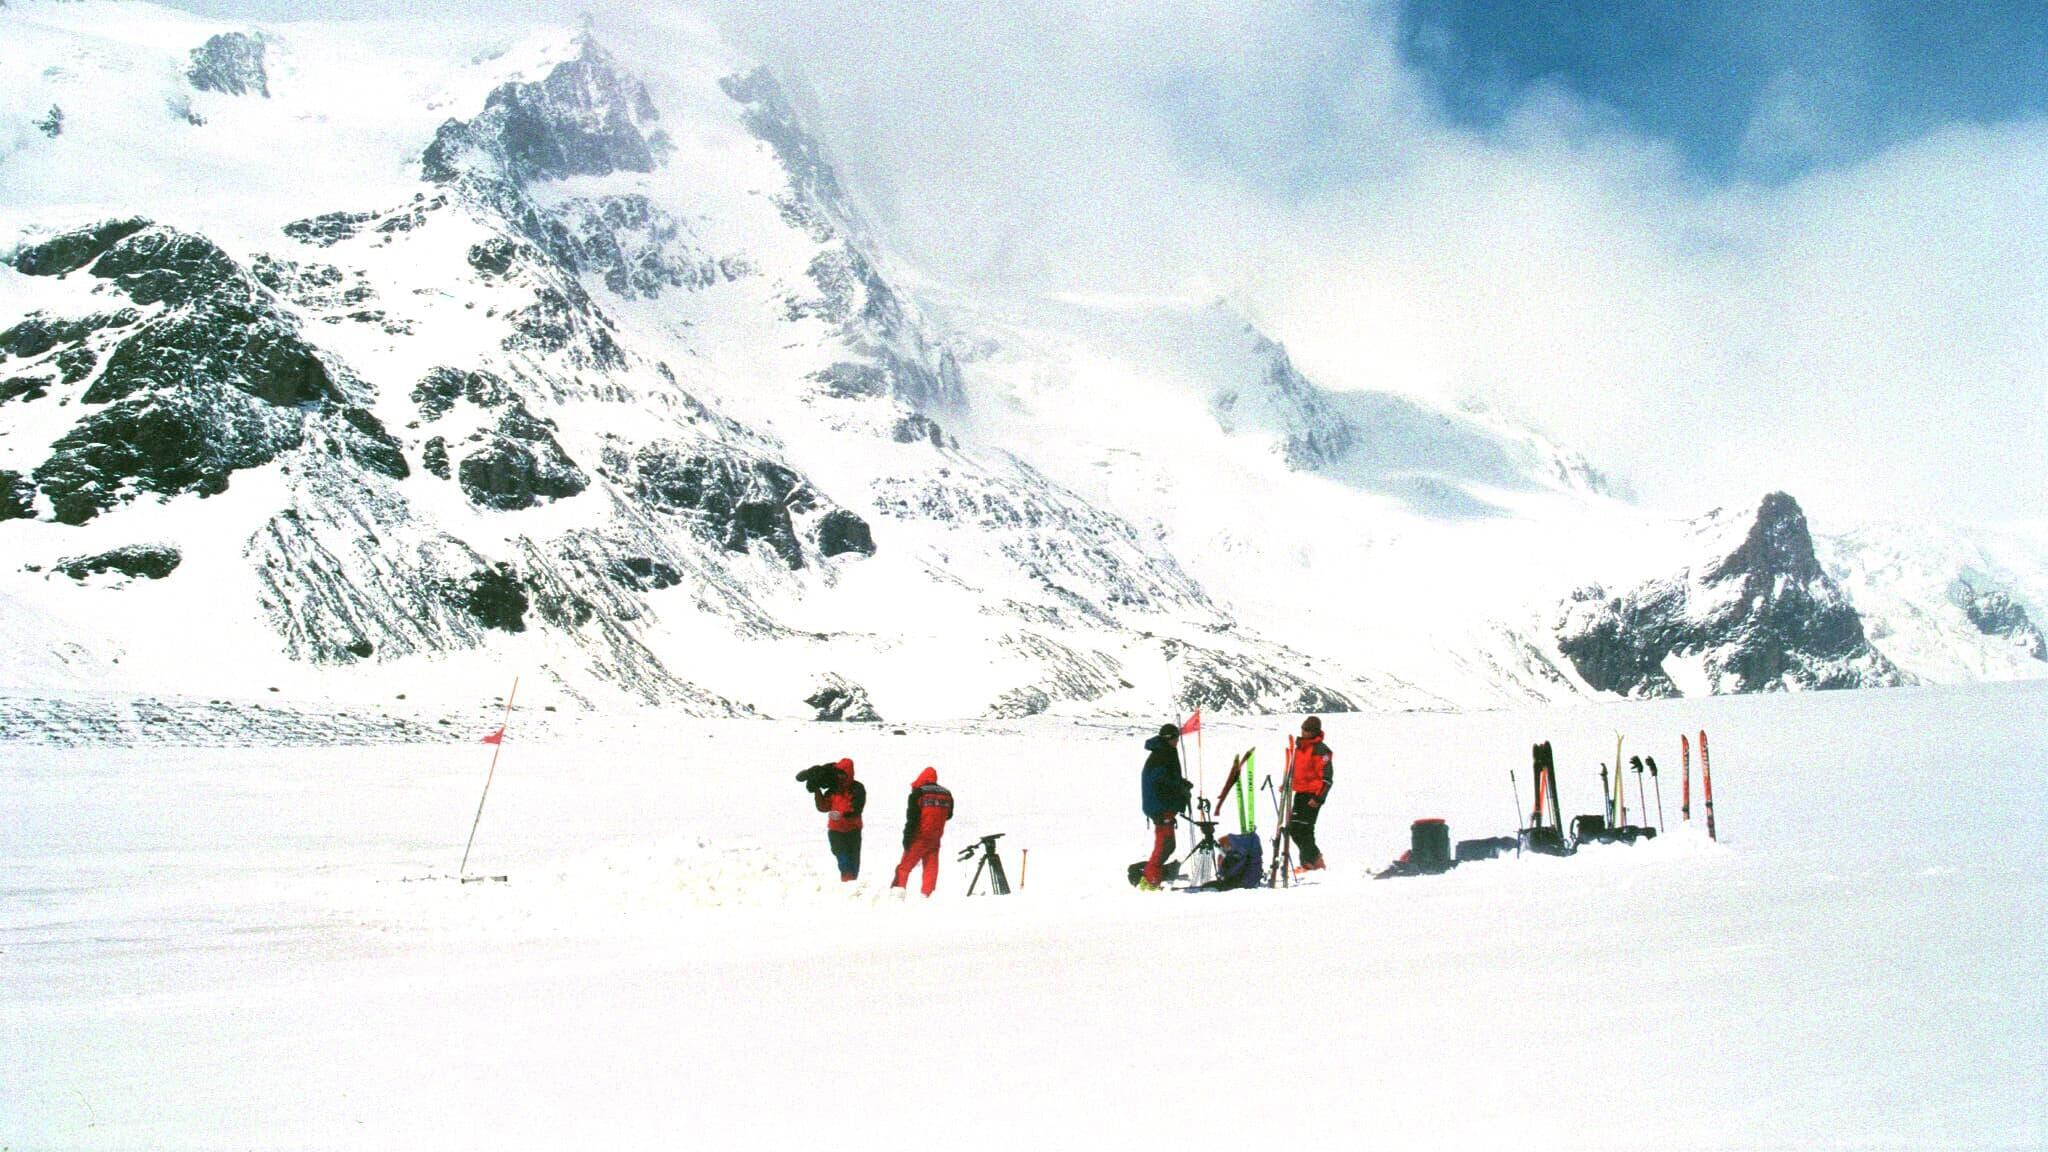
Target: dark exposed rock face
842 701
52 123
190 440
214 378
729 498
67 253
1761 616
586 118
25 388
144 561
231 62
841 532
1995 613
518 469
496 600
517 463
17 496
644 574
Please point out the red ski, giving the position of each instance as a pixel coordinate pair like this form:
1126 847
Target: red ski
1707 786
1685 792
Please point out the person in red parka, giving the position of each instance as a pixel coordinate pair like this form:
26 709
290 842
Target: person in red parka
842 806
1309 774
924 821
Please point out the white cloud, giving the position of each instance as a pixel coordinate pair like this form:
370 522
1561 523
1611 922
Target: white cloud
1873 337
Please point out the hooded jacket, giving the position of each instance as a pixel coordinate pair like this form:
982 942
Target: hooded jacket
930 807
843 805
1162 789
1313 769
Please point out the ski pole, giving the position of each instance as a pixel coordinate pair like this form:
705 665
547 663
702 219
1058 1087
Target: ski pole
1515 791
1652 762
1635 764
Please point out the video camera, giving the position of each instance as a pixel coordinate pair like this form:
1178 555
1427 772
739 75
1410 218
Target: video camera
985 844
821 778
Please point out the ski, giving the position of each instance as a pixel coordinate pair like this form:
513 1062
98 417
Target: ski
1239 778
1707 785
1684 778
1282 875
1620 786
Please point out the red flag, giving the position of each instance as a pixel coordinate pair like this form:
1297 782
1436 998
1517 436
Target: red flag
1194 723
497 737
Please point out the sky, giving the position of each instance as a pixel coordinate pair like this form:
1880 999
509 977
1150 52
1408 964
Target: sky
1720 247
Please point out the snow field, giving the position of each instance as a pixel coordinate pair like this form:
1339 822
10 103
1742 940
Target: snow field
240 948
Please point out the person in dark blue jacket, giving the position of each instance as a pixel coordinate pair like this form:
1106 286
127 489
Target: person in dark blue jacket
1164 792
1241 864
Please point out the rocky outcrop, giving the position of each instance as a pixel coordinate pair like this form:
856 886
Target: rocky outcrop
136 561
205 377
231 62
1994 612
17 496
737 500
892 350
587 117
842 701
1757 615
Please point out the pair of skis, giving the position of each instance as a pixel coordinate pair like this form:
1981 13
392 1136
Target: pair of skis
1706 783
1280 873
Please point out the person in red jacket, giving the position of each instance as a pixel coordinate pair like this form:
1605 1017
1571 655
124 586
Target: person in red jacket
1309 774
842 806
924 821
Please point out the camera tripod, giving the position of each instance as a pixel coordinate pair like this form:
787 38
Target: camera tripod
1199 865
998 883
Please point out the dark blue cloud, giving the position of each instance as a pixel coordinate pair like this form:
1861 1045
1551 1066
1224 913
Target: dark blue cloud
1758 89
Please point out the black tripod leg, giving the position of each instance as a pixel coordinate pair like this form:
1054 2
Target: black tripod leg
977 874
997 882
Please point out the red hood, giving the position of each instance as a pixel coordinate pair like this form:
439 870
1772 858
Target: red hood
928 776
845 766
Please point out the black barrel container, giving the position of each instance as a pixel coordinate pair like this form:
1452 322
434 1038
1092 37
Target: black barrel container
1429 845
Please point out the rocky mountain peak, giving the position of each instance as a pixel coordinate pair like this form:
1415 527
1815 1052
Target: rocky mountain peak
586 117
1778 547
1763 616
231 62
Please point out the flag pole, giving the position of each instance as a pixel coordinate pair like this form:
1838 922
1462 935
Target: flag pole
497 740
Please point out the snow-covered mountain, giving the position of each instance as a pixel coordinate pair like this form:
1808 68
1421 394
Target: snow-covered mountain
1756 613
348 359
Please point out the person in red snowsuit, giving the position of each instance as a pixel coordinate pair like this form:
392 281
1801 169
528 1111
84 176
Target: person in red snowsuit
1310 773
924 821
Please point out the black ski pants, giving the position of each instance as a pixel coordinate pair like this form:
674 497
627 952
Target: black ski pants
1301 828
846 849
